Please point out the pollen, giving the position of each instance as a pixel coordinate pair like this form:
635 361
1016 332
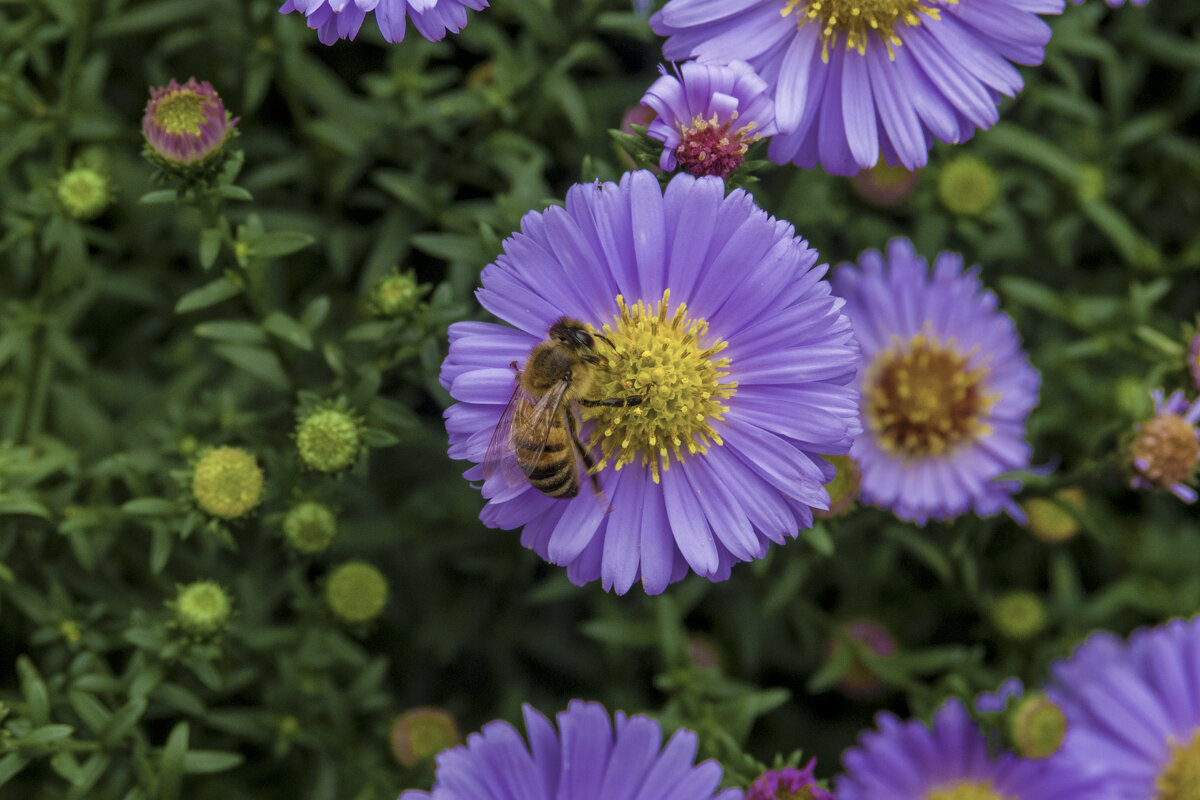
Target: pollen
675 365
182 111
712 147
1166 450
922 400
853 21
1180 780
967 790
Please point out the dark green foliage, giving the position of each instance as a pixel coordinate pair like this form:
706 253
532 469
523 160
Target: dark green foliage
186 317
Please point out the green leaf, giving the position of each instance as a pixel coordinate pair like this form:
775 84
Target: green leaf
231 192
259 362
34 689
207 295
232 330
122 721
173 755
279 243
210 246
288 329
67 767
160 197
90 710
10 765
150 506
47 734
204 761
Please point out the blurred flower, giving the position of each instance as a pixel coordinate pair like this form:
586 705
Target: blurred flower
356 591
422 733
341 19
967 186
788 784
1133 710
851 79
1037 726
186 126
584 759
884 185
946 387
709 116
859 681
1166 447
309 527
1018 615
1049 521
843 489
227 482
83 192
330 437
950 760
746 379
201 608
395 294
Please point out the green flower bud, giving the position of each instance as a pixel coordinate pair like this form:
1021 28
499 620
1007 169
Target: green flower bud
843 489
1049 521
309 527
395 294
967 186
356 591
1019 615
202 608
227 482
421 733
329 439
83 193
1037 727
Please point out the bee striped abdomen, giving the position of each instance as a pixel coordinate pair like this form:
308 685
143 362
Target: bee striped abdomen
556 478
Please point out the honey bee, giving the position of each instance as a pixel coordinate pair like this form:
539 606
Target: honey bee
537 438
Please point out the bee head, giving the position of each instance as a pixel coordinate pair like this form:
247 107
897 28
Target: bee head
573 333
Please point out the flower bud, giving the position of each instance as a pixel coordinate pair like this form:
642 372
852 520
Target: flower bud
421 733
1049 521
202 608
967 186
356 591
884 186
309 527
395 294
83 192
227 482
329 439
843 489
788 784
1018 615
1037 727
186 128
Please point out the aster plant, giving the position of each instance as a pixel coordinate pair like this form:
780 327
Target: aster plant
950 759
1166 448
708 116
590 757
1133 710
342 19
745 381
854 80
946 387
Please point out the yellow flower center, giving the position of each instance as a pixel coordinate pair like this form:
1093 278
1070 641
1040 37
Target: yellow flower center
182 112
857 19
672 361
921 400
974 790
1169 447
1180 780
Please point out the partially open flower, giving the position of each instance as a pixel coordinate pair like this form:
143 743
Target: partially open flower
186 126
1167 447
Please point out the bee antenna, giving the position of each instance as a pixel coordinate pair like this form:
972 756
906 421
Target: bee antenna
606 340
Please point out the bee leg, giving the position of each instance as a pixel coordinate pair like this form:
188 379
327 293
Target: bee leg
631 400
589 463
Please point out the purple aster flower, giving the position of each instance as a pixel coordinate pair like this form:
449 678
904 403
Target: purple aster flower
185 125
713 312
950 760
852 79
709 116
788 783
1167 447
341 19
588 758
946 387
1133 710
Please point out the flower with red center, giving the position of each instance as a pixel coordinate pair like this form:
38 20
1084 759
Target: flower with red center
946 387
852 79
788 784
185 126
709 116
1167 447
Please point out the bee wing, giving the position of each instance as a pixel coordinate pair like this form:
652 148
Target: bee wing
537 422
499 456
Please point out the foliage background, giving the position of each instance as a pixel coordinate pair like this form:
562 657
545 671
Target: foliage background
364 157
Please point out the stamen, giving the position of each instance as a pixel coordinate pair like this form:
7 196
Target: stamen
1180 780
921 400
856 19
663 356
973 790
